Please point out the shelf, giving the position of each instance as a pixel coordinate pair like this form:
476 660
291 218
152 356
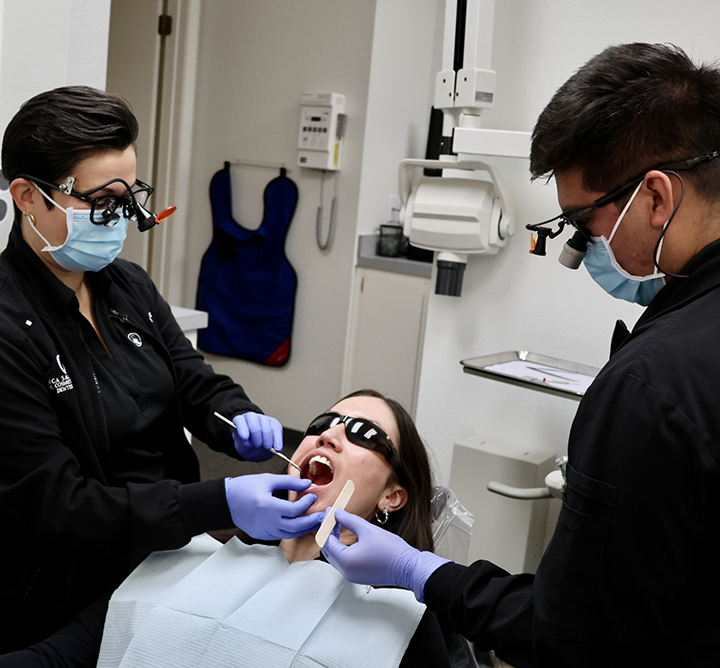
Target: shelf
534 372
368 258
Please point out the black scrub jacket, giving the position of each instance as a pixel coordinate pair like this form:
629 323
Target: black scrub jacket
74 517
632 574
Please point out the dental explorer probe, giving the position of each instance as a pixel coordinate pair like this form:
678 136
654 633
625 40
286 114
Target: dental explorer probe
273 450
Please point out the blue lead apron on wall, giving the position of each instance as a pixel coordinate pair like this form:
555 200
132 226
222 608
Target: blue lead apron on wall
246 284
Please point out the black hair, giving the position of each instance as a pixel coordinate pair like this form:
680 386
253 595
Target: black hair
628 109
56 130
412 522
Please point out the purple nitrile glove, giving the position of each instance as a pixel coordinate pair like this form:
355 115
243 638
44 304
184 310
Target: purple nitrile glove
379 557
255 435
257 512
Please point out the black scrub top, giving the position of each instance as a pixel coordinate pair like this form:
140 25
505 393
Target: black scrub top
137 393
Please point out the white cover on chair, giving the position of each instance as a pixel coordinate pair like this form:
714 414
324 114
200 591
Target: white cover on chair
210 605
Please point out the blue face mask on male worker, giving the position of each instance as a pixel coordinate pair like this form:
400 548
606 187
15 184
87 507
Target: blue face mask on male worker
605 270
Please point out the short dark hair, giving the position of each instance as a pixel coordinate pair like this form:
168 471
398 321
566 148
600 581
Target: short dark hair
412 522
628 109
56 130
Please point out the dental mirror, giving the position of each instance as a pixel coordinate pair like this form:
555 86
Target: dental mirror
275 452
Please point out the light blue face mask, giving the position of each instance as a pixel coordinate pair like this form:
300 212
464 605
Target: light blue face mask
605 270
88 247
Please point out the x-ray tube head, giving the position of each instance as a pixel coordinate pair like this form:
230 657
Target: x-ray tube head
455 215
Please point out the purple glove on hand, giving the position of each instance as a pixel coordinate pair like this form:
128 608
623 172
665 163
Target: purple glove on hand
257 512
255 435
379 557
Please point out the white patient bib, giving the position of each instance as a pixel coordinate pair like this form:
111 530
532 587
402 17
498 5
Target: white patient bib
212 605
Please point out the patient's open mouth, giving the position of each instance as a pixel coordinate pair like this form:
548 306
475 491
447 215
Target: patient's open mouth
319 470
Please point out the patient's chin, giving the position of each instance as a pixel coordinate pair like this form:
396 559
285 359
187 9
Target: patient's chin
318 506
296 496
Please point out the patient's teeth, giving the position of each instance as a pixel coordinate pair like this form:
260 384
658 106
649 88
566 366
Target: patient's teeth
319 459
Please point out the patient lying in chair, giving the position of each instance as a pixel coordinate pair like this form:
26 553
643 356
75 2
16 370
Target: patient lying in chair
234 604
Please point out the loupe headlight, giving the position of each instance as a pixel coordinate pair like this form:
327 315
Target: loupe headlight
146 220
574 249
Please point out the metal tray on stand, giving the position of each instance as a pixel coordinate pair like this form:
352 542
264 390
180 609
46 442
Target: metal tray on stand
536 372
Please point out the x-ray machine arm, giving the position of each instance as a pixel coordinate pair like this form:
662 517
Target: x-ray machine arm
459 213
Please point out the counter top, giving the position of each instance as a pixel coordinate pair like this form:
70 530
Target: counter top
189 319
368 258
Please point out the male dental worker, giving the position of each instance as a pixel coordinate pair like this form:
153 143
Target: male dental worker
631 575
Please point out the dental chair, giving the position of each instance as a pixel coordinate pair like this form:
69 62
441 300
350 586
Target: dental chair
451 526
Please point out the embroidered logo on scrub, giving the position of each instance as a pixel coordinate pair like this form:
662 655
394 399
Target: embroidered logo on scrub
135 338
62 382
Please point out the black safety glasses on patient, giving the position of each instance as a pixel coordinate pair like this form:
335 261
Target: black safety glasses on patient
107 209
577 215
359 431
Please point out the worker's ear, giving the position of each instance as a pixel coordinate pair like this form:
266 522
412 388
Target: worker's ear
660 197
24 194
394 498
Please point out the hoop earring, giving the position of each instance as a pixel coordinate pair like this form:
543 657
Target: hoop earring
385 515
30 216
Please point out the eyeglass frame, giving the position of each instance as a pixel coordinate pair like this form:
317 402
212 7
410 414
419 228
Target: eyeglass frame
130 206
383 444
570 216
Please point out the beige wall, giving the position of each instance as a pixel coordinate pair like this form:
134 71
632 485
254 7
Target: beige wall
256 58
253 62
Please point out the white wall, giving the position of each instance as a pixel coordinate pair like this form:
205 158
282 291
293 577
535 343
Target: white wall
50 43
513 300
405 55
256 59
45 44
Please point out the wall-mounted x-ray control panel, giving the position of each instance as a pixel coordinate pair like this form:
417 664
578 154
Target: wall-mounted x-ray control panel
322 126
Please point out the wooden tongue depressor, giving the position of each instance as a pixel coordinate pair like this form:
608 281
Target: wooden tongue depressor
329 522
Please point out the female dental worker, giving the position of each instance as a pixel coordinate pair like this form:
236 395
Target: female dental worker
97 384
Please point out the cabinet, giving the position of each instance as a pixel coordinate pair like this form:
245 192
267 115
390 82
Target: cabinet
190 321
509 532
387 326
